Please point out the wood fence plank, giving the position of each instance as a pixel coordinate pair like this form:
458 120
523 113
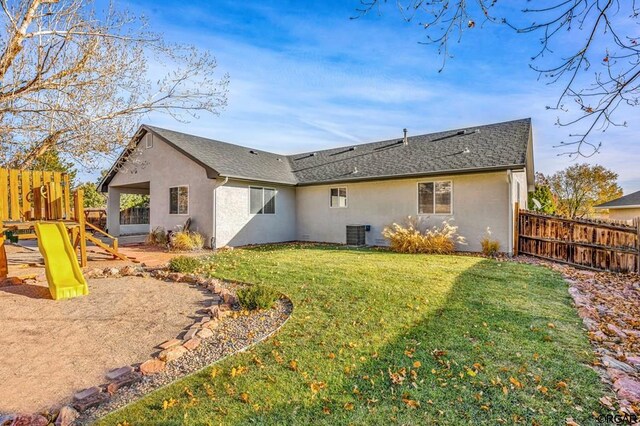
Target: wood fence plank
590 244
14 196
26 194
4 203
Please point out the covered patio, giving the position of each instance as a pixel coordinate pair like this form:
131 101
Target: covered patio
115 225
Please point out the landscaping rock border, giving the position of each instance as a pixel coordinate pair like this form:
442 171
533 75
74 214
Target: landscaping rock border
609 306
220 331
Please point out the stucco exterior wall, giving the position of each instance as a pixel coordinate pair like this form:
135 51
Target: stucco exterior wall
479 201
163 167
624 214
235 226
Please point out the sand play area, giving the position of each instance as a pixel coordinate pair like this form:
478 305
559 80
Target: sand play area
51 349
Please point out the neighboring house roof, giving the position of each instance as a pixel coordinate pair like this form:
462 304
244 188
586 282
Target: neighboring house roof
499 146
625 202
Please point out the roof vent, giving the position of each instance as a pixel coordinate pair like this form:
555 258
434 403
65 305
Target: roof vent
466 151
355 170
313 154
467 132
405 141
253 152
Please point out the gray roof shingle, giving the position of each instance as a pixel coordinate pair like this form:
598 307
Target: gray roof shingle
500 145
489 147
628 200
229 159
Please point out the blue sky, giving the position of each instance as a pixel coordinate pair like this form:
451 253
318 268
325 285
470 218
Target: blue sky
304 76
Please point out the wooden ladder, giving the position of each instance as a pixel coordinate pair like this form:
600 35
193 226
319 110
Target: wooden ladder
111 249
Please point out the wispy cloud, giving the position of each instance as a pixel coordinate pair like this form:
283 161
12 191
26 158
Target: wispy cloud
304 79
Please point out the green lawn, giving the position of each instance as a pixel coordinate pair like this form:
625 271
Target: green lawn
378 338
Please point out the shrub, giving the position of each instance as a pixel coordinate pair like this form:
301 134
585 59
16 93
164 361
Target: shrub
186 241
414 238
490 247
157 237
184 264
257 297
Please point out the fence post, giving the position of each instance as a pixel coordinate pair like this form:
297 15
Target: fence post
516 228
637 222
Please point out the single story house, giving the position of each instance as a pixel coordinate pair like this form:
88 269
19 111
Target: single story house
623 208
237 196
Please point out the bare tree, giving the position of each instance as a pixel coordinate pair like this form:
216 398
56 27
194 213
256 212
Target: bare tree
606 31
77 80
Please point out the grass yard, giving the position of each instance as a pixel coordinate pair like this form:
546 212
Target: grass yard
378 338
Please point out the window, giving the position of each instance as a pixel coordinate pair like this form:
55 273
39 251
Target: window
338 197
179 200
434 197
149 141
262 200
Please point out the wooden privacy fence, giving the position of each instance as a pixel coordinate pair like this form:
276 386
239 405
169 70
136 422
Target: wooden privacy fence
134 216
591 244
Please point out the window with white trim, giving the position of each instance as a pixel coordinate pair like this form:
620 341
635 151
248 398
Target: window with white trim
179 200
338 197
435 197
262 200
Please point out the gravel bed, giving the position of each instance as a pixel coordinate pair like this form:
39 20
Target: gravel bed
232 336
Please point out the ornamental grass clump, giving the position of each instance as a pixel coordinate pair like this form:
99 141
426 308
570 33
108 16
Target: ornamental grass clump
412 237
490 247
186 241
157 237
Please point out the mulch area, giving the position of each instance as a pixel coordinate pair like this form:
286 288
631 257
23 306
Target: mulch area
609 305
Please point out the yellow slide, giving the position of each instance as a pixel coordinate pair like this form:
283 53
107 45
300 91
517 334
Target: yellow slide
60 261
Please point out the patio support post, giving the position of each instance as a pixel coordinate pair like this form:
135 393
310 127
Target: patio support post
113 212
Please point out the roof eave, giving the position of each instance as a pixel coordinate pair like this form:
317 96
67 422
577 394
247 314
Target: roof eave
605 207
417 175
259 180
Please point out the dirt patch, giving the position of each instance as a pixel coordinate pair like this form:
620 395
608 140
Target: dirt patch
52 349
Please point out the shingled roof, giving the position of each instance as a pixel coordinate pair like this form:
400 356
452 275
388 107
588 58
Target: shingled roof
629 200
499 146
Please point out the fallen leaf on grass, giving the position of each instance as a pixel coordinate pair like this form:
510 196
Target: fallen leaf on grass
411 403
169 403
515 382
348 406
317 386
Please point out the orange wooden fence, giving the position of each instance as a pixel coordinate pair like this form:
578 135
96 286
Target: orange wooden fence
598 245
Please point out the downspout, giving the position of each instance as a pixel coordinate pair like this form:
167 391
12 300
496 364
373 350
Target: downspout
215 213
510 221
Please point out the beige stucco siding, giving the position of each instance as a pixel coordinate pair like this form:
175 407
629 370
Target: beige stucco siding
235 226
479 201
624 214
163 167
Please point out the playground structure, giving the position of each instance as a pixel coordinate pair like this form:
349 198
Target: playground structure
28 197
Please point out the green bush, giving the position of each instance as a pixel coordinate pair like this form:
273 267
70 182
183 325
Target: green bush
257 297
184 264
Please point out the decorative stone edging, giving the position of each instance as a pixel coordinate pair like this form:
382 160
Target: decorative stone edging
222 303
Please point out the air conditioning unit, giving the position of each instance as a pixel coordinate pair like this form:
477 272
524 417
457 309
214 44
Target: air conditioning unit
356 235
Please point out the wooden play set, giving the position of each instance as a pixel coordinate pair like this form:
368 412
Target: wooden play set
30 197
